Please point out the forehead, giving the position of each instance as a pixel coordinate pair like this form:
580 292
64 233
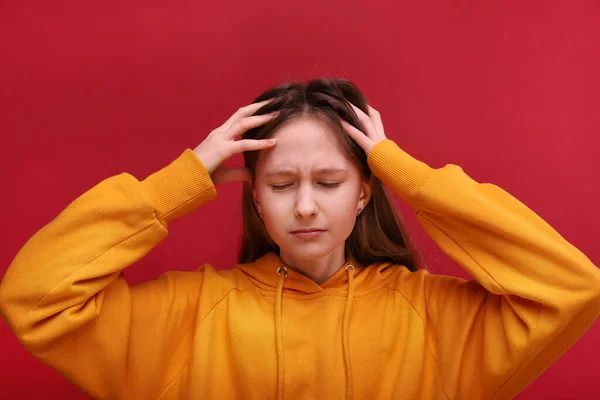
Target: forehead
304 143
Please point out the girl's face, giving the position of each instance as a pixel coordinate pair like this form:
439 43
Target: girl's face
305 182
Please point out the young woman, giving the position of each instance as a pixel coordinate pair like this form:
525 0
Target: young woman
328 300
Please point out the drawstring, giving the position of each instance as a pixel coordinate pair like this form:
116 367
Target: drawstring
345 332
278 331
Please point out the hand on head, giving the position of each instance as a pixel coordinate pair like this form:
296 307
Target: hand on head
220 144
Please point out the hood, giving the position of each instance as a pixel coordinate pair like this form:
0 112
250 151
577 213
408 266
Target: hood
263 272
270 273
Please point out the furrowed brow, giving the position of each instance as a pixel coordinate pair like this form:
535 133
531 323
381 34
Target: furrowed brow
291 172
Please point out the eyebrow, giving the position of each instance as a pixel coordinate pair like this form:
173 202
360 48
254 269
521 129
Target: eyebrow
288 172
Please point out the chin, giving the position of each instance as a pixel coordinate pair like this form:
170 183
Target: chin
309 251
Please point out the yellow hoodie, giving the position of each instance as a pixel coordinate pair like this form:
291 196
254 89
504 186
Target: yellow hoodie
369 332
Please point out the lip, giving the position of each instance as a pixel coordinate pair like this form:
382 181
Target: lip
308 233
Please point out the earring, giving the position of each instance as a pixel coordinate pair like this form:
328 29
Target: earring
260 215
359 211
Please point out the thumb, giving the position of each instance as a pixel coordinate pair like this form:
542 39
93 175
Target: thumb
224 175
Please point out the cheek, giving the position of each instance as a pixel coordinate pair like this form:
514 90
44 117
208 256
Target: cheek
339 209
275 208
344 208
341 213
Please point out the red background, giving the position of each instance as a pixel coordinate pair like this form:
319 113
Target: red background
508 90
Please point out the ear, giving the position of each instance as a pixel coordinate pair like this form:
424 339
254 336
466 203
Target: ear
366 191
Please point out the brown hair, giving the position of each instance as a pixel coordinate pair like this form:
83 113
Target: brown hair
379 234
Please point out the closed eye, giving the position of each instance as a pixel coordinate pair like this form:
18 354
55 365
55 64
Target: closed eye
280 187
324 184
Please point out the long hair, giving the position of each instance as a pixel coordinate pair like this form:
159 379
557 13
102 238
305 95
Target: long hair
379 234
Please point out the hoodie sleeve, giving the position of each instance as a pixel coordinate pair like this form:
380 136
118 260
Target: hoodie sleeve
65 297
534 293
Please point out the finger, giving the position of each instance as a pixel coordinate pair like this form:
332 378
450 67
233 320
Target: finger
241 174
365 121
245 111
358 136
247 123
252 145
376 117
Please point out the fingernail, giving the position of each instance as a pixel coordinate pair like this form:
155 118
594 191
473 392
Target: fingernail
272 140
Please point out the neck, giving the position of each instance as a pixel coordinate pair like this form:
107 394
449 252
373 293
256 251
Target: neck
318 269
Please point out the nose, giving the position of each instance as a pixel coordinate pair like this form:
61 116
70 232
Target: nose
306 206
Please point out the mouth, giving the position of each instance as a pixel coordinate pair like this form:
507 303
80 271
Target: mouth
308 233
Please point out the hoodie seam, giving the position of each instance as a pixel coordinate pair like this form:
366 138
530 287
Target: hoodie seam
187 363
537 325
225 296
166 389
461 247
154 223
437 371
